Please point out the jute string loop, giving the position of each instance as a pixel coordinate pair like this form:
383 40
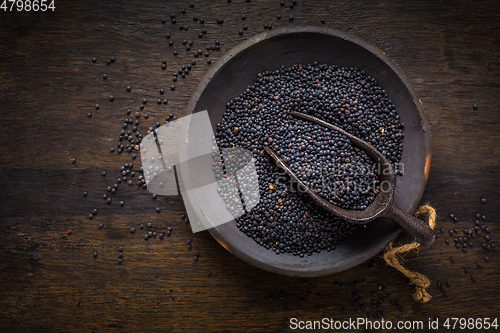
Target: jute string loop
392 255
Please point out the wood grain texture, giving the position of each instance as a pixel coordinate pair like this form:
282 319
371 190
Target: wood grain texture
450 52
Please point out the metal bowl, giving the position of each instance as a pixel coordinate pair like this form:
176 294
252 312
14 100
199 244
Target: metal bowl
287 46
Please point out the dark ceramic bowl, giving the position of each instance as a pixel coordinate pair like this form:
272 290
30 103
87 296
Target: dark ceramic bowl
267 51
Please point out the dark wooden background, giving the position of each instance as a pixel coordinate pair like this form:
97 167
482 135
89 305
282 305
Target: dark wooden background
449 50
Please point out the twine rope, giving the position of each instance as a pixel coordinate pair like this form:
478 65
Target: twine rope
392 256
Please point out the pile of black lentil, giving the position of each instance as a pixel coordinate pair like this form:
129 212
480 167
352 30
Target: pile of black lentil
286 220
327 162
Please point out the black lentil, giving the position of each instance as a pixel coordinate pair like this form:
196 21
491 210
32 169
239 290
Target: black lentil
287 218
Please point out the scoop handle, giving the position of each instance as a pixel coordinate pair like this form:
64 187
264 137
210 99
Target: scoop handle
415 227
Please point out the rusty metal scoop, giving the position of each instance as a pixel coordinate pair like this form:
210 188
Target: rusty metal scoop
383 205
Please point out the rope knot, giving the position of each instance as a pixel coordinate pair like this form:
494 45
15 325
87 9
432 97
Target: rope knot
421 282
391 254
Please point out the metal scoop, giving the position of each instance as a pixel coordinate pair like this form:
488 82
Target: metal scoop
383 205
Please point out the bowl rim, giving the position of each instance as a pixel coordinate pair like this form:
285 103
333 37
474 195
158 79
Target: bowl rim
424 124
